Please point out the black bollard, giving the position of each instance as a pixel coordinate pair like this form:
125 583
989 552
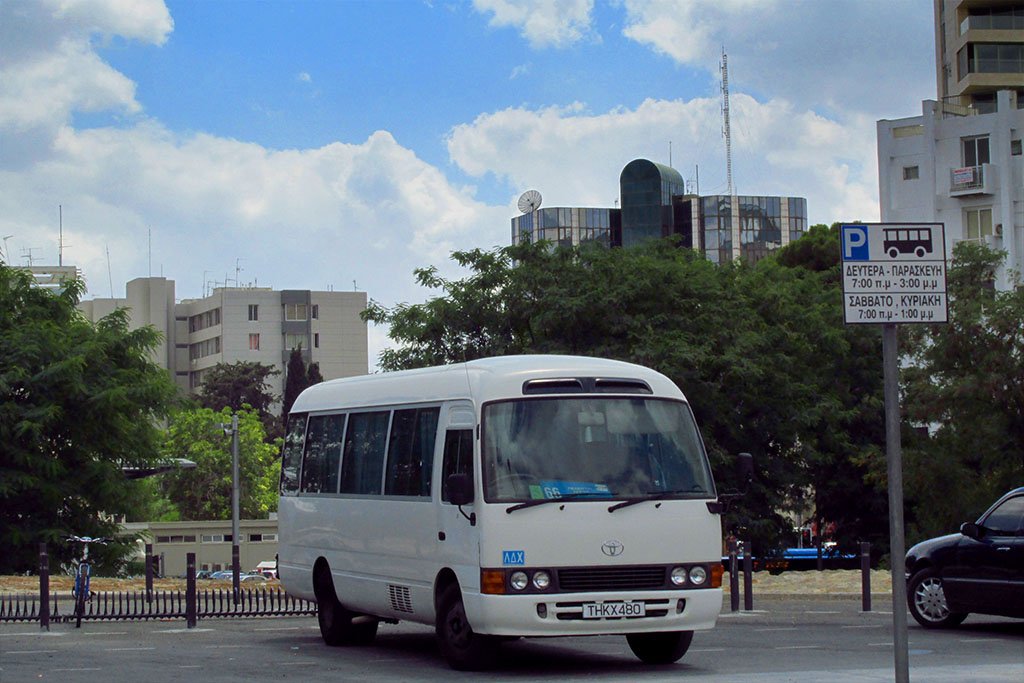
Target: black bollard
149 572
865 576
44 588
190 590
734 578
748 581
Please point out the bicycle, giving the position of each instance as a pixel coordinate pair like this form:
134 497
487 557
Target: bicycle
81 589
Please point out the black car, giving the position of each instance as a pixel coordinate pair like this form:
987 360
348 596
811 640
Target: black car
980 569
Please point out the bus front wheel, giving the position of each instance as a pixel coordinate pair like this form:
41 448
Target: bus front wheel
463 649
660 648
336 623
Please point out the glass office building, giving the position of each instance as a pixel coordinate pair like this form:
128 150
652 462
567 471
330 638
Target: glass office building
567 226
654 204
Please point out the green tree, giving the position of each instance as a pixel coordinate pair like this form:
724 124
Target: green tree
239 384
965 379
204 492
744 343
78 402
297 378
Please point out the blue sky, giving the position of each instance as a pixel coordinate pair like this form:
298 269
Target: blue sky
314 144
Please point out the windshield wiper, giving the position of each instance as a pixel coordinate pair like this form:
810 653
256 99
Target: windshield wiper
561 499
656 495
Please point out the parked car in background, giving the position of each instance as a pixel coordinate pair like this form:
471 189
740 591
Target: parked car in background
249 578
980 569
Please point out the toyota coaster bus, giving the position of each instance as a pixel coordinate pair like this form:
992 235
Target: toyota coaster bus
503 497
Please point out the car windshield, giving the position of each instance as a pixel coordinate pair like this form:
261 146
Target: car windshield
587 448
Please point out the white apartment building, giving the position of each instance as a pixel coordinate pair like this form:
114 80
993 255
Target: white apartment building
245 324
959 162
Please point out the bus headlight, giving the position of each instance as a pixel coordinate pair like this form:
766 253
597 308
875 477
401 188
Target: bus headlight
519 580
698 575
541 580
678 576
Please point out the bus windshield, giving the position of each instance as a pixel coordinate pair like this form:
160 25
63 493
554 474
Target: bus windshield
587 448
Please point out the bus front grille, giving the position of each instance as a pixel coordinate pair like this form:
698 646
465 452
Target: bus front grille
612 578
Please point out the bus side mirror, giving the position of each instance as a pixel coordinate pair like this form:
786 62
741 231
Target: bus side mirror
460 489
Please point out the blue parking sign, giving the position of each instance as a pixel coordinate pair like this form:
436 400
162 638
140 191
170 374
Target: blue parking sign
855 243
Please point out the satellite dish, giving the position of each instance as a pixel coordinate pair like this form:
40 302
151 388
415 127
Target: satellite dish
529 201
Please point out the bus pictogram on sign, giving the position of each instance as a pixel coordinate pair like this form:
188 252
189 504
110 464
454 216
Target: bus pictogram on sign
906 240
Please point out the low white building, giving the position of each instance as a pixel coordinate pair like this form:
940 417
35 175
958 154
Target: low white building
957 166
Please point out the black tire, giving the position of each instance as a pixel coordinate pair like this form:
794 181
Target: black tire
927 601
336 623
463 649
660 648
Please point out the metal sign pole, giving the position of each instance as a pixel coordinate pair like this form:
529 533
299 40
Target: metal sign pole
897 543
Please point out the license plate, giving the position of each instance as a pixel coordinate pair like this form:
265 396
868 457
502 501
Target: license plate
612 610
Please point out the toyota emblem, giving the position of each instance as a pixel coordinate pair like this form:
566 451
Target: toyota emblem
612 548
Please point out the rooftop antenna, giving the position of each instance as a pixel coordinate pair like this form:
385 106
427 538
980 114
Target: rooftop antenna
7 252
149 232
27 253
60 235
238 269
725 117
110 279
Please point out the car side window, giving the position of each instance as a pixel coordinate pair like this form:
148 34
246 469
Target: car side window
1006 520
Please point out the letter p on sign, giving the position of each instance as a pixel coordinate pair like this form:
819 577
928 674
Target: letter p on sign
855 243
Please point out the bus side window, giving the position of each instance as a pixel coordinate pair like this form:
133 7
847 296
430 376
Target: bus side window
321 462
411 452
458 456
291 453
362 463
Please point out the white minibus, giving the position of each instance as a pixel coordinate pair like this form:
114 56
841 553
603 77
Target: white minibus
502 497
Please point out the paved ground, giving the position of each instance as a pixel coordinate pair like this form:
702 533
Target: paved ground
810 639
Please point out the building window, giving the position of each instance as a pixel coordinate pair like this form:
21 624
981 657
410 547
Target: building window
254 312
978 223
911 172
294 341
316 340
976 151
315 311
1015 148
204 320
295 312
254 342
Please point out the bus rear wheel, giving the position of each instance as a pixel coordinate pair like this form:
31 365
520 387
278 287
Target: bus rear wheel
660 648
462 648
338 626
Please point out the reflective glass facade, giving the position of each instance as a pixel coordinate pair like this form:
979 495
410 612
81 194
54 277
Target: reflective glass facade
654 205
646 190
565 226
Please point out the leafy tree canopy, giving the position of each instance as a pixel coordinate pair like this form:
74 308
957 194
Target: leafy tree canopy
78 402
754 348
297 378
965 380
204 492
240 384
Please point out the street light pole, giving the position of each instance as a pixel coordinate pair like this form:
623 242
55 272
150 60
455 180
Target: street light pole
232 430
234 508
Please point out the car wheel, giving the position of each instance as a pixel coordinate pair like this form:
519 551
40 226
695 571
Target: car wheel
463 649
927 601
660 648
336 623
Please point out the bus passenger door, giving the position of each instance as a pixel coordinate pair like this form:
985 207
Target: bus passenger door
457 539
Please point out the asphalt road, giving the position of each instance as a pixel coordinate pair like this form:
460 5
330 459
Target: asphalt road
784 640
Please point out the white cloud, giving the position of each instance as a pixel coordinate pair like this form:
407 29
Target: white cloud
544 23
305 77
810 53
574 157
369 212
